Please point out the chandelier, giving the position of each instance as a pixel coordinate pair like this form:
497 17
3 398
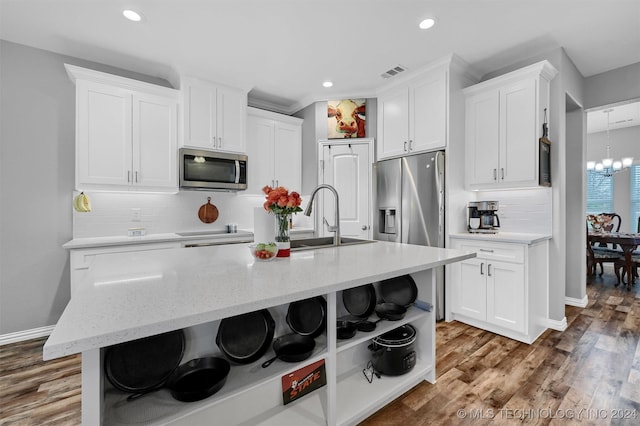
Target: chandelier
608 166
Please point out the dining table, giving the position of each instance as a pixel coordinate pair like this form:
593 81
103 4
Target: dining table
628 243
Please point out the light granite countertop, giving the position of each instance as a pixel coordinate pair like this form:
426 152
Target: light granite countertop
505 237
218 235
134 295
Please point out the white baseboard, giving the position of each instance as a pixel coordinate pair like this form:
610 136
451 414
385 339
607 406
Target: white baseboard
21 336
557 325
580 303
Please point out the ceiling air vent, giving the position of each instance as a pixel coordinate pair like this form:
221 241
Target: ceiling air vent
394 71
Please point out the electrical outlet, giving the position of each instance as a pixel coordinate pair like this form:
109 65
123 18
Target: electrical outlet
135 215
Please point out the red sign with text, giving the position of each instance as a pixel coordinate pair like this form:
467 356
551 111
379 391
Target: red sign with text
303 381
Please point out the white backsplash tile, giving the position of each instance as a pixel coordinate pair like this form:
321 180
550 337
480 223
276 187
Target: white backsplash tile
528 211
112 214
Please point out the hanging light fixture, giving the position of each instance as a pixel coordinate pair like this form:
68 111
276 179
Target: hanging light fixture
608 166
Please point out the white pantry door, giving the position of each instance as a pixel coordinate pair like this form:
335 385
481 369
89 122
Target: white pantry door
347 168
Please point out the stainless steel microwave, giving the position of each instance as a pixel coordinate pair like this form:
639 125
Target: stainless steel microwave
206 170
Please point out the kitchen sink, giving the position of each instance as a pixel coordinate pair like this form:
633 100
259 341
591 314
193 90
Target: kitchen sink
323 242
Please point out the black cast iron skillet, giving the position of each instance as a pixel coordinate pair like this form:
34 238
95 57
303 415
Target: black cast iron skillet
360 301
291 348
346 329
400 290
144 365
245 338
198 379
308 317
367 326
390 311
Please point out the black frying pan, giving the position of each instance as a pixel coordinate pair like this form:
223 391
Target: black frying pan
308 317
367 326
360 301
144 365
292 348
198 379
390 311
346 329
245 338
400 290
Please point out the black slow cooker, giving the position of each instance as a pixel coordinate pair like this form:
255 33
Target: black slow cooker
393 352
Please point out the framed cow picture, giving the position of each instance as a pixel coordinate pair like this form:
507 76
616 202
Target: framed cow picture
346 118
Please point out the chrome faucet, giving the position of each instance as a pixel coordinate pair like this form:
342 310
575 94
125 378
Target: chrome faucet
335 228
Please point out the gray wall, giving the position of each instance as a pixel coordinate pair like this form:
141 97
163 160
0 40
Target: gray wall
613 86
37 151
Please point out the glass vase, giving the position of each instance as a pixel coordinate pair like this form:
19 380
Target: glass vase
282 234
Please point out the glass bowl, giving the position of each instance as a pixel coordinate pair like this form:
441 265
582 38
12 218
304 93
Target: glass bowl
264 251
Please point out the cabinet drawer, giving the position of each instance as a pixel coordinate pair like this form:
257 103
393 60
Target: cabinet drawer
82 258
494 251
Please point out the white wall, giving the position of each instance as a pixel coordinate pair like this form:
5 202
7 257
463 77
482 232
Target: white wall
162 213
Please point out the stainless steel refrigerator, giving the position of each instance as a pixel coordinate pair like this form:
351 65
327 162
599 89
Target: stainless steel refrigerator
410 205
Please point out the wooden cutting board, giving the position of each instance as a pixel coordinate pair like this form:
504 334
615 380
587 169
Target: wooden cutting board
208 213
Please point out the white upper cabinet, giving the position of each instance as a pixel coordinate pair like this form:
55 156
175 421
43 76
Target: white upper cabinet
504 118
274 147
412 117
126 133
213 116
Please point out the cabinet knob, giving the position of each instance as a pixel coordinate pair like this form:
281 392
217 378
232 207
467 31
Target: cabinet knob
405 146
489 269
410 145
220 142
482 268
365 227
502 173
495 174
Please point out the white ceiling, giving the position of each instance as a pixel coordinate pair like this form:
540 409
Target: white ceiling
282 50
614 117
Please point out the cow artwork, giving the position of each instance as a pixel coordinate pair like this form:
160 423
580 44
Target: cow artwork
346 118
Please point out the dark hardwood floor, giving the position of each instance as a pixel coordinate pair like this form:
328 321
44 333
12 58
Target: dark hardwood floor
588 374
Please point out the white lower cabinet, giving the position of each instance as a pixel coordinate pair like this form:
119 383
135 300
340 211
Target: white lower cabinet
80 259
503 290
252 395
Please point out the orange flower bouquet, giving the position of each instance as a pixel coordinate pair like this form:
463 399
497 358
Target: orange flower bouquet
283 204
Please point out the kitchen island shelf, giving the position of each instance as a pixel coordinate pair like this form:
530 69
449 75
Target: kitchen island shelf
382 327
123 299
241 379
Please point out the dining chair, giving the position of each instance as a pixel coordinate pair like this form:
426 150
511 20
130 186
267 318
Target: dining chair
635 258
613 225
596 256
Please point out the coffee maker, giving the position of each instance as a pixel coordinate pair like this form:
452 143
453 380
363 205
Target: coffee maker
483 217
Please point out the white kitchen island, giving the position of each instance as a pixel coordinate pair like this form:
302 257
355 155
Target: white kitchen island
127 296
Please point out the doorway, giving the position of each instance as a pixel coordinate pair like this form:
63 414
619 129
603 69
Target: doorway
347 167
575 271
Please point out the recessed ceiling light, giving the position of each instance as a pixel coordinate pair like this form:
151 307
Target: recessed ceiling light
132 15
427 23
327 84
